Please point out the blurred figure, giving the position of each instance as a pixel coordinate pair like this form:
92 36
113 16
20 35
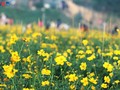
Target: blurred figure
59 22
64 26
115 30
47 26
10 21
52 24
64 5
40 23
3 19
84 27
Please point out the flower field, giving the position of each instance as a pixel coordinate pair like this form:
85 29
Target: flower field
58 60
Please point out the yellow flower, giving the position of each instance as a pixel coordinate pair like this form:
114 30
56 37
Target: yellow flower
72 77
69 51
92 80
9 70
81 52
108 66
44 54
45 83
65 54
45 72
73 47
99 51
88 52
72 87
111 74
104 85
41 52
26 39
118 62
91 57
28 59
85 42
60 60
28 89
84 81
53 37
93 88
92 74
107 79
83 66
27 76
3 85
115 58
43 45
117 52
15 57
117 81
25 88
2 49
13 38
69 64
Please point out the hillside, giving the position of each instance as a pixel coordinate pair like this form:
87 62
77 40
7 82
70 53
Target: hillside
107 6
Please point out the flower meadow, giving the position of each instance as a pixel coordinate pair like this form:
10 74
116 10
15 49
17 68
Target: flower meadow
36 59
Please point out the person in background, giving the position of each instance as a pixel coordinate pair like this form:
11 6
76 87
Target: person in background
3 19
40 23
84 27
115 30
64 5
10 21
52 24
47 26
59 22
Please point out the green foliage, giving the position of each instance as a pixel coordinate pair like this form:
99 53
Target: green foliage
28 16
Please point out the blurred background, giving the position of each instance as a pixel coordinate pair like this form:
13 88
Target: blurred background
94 13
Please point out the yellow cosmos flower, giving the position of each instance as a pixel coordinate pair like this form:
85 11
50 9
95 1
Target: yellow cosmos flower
118 62
27 76
28 59
104 85
91 57
85 42
83 66
2 50
93 88
45 72
81 52
28 89
115 58
3 85
107 79
45 83
117 52
108 66
15 57
69 64
72 77
88 51
92 80
60 60
84 81
9 70
72 87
